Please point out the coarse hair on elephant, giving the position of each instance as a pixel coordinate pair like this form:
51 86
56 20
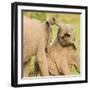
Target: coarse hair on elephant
35 40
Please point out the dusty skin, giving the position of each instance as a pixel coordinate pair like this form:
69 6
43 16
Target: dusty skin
35 36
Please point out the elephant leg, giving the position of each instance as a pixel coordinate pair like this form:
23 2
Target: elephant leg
42 62
65 68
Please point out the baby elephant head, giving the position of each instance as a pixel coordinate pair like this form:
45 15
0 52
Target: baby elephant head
66 35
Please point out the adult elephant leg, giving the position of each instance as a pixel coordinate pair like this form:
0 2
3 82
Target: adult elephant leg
42 62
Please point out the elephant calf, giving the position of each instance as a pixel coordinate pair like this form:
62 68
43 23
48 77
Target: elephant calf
62 54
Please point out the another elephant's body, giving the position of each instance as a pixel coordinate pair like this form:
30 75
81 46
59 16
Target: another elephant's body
35 36
61 58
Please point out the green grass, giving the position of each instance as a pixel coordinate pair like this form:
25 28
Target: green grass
72 19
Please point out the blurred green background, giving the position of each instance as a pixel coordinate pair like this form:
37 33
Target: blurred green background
67 18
